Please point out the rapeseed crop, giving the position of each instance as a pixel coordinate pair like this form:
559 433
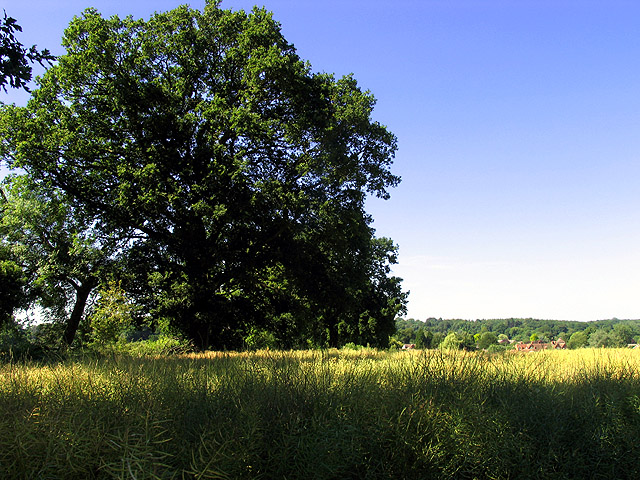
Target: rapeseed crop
324 414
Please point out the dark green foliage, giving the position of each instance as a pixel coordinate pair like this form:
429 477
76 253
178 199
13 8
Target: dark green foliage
486 340
19 343
601 338
13 342
15 58
623 334
239 174
421 340
12 284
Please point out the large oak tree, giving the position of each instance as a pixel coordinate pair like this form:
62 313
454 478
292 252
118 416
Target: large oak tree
242 173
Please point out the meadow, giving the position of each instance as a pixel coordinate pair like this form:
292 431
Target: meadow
334 414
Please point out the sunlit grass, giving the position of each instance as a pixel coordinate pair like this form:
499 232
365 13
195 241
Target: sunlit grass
324 414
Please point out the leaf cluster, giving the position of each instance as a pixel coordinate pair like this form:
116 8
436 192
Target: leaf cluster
15 58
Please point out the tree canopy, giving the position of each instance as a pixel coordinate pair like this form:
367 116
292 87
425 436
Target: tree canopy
240 174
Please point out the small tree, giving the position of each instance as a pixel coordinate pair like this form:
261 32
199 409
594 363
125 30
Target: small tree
451 342
455 341
578 340
486 340
58 246
113 314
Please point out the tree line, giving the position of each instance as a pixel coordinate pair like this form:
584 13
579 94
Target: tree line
194 161
431 332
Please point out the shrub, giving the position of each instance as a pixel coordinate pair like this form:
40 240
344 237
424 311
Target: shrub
155 345
259 339
16 343
499 348
13 341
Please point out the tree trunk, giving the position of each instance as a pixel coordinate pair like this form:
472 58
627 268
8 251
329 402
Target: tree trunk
82 295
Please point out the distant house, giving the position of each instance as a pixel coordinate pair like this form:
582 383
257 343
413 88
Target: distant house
531 347
408 346
537 346
559 344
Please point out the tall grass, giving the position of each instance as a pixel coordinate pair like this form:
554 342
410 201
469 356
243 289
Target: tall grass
324 414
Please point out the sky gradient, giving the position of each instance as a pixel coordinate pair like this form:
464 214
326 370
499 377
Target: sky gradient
518 127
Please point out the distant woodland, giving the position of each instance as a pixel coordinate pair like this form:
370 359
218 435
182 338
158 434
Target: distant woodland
431 332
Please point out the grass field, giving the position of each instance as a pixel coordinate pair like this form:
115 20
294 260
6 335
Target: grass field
324 415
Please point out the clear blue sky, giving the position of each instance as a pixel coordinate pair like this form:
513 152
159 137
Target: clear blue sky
519 140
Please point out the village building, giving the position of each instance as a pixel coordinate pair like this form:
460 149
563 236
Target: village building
537 346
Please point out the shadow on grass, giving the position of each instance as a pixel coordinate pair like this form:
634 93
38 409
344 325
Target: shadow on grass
318 416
